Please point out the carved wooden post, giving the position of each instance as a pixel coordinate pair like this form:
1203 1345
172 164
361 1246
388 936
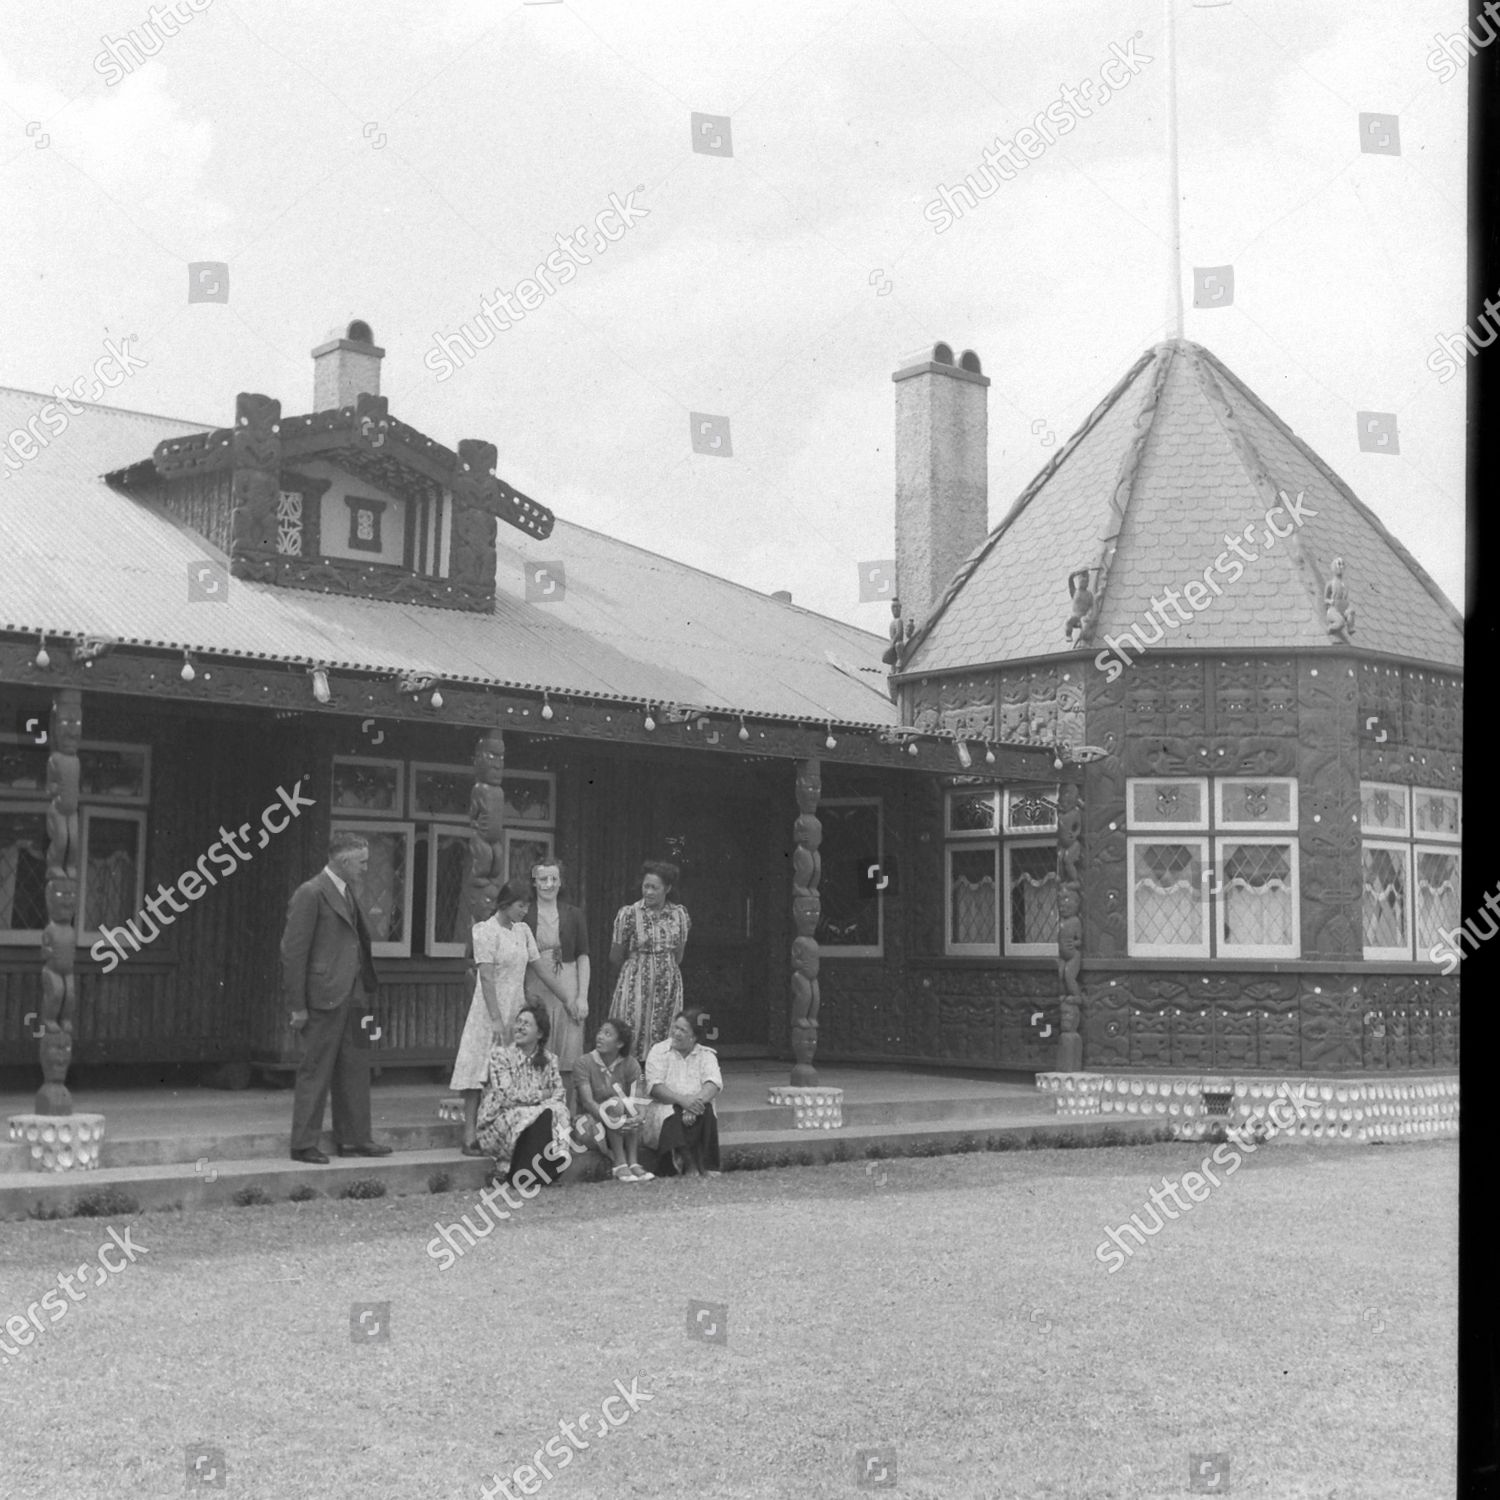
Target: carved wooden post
256 446
487 841
60 936
1069 925
807 908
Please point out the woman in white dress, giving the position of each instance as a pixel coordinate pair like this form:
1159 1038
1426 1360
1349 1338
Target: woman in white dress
504 953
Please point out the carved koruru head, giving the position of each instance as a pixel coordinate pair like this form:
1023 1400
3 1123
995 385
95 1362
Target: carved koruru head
489 759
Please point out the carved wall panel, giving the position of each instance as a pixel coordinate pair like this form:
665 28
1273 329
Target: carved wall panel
1411 724
964 705
1327 706
1314 1023
1104 910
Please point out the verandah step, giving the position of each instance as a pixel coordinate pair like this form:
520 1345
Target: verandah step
405 1173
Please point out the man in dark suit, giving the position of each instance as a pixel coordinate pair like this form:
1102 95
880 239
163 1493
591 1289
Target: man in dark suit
330 980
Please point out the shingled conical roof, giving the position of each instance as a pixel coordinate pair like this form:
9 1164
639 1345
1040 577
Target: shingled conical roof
1178 456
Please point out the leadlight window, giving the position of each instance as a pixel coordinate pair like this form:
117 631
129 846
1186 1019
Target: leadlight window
1001 871
1213 867
437 800
1411 869
112 859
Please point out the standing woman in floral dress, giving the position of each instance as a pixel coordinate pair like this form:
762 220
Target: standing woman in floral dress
648 940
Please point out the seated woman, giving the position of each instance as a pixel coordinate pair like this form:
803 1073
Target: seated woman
610 1115
682 1077
523 1116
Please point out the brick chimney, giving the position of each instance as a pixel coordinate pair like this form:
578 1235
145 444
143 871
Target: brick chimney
346 368
942 472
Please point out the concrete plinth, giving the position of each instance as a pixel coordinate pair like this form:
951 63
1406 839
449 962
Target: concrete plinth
812 1109
59 1143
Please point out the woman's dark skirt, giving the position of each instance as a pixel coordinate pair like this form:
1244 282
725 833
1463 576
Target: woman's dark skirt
530 1145
701 1136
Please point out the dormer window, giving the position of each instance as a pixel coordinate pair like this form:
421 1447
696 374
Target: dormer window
345 500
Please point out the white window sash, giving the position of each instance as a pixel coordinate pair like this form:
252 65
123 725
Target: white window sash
1227 949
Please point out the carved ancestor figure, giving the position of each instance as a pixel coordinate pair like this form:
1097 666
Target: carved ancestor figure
60 936
1080 623
807 908
1069 926
487 841
1339 612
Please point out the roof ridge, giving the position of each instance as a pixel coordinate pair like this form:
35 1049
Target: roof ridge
1346 492
1126 474
1258 472
124 411
1027 495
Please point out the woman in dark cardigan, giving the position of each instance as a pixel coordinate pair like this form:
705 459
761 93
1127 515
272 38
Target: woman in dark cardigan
563 939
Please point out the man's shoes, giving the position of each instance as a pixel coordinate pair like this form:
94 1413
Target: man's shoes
312 1155
368 1149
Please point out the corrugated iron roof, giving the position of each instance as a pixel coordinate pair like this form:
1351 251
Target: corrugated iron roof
1178 456
79 558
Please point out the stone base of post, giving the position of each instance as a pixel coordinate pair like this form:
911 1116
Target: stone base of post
59 1143
812 1109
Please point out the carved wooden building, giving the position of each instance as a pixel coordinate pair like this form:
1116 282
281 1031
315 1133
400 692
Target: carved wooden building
1090 832
215 646
1258 864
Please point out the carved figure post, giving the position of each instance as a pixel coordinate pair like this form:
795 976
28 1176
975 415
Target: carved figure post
60 936
1069 926
487 841
807 908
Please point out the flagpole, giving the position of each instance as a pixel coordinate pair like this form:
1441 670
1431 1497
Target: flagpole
1174 219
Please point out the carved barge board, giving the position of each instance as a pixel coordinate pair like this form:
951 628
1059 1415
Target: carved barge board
289 687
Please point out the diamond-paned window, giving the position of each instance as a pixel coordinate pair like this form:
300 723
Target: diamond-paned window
1438 891
1001 895
1410 881
1386 885
973 907
1031 898
1167 907
1257 898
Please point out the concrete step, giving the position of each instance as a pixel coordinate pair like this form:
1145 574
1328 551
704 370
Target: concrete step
163 1185
439 1135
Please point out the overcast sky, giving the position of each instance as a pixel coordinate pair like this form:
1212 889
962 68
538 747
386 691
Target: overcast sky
349 160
